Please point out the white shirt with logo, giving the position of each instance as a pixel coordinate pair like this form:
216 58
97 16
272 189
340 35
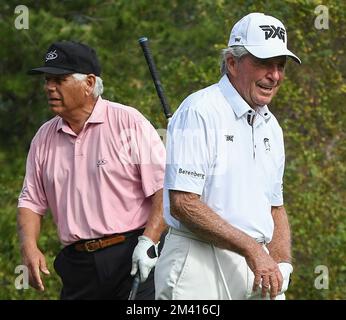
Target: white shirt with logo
233 157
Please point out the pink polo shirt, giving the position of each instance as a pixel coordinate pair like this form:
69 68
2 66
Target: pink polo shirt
98 182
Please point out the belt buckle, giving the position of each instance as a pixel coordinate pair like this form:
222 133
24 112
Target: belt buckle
86 245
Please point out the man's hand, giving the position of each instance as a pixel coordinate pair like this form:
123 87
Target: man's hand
286 269
34 259
267 273
144 257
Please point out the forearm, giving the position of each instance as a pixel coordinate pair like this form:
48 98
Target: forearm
209 226
28 225
155 224
280 246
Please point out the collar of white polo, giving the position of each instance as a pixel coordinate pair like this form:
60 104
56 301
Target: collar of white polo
237 103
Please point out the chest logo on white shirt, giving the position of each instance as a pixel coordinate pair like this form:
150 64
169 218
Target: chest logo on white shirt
266 144
101 162
229 137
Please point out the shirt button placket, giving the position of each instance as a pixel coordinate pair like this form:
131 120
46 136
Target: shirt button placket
78 147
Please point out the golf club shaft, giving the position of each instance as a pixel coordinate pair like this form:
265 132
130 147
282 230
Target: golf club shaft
135 285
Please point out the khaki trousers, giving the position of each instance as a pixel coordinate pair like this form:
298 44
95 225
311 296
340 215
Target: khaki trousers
190 269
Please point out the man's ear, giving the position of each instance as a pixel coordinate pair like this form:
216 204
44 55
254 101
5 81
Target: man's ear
231 66
90 84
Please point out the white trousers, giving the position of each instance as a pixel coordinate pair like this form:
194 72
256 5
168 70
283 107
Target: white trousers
190 269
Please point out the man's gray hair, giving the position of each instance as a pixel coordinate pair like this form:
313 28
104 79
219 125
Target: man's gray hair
236 51
98 89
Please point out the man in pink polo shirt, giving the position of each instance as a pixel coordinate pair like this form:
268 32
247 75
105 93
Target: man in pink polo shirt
99 167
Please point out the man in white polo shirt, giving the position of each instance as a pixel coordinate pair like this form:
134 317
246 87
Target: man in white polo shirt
99 167
229 234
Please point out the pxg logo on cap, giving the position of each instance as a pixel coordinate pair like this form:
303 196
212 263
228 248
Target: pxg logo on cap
66 57
272 32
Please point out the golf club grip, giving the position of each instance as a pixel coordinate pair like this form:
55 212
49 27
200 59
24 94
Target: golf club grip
155 76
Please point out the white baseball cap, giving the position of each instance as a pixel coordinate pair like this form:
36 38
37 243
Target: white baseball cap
263 36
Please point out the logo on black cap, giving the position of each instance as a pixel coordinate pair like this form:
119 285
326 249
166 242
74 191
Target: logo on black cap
51 55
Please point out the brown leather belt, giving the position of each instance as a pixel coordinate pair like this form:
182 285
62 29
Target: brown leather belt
97 244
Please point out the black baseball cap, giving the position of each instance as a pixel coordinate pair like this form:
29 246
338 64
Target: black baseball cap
65 57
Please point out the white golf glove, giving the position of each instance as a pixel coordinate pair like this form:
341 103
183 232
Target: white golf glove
143 258
286 270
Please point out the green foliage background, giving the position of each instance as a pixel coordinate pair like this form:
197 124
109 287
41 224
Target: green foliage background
186 38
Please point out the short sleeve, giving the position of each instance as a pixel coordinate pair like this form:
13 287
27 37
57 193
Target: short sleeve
188 152
277 193
33 195
151 157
